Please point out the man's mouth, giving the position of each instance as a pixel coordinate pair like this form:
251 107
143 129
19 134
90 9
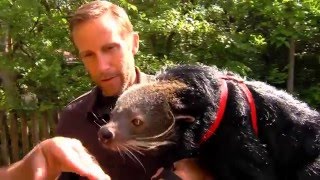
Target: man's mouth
108 78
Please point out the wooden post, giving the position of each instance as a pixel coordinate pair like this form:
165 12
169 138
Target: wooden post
4 141
25 134
35 129
53 116
13 129
43 121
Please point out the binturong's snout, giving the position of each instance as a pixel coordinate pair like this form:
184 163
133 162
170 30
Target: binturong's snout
105 135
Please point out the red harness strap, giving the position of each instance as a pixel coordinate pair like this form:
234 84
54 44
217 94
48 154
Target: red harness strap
223 103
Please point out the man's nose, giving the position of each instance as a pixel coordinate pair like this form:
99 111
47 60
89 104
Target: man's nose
104 61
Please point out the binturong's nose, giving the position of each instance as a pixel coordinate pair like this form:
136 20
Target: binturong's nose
104 134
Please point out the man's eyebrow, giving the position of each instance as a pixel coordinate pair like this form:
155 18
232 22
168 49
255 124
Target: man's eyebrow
111 44
82 53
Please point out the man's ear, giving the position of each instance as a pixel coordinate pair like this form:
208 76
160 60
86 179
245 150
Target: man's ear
135 42
185 118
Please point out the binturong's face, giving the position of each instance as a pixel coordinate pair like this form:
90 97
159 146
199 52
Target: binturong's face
107 53
143 119
138 122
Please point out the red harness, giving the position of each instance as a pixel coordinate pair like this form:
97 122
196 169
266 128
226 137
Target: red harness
223 103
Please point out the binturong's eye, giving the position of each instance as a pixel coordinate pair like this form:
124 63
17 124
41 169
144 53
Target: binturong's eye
136 122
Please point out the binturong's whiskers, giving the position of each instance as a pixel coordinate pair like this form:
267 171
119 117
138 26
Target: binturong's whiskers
132 156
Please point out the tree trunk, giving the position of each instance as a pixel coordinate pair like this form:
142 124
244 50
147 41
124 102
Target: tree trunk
7 76
290 82
169 43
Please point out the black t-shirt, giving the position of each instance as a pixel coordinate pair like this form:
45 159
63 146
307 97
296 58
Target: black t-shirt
102 108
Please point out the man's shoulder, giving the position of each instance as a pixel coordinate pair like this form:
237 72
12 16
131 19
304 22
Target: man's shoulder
81 97
85 98
74 113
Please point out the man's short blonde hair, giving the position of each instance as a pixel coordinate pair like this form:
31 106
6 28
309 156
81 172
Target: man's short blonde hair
96 9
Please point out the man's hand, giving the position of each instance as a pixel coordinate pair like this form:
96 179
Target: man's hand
184 169
187 169
53 156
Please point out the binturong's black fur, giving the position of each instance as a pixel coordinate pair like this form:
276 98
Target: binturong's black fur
172 114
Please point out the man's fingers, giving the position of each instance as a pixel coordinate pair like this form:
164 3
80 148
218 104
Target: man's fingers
69 155
86 163
95 172
40 173
188 169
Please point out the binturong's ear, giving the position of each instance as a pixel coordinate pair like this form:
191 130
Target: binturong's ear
180 118
185 118
178 105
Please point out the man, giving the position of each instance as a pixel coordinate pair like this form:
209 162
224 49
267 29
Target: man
104 37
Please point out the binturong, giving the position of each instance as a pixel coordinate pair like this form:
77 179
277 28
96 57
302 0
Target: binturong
236 128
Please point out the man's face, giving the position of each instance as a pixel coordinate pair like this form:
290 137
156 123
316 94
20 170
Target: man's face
107 54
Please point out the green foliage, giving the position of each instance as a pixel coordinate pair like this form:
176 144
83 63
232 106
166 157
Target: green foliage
150 64
276 76
238 67
248 37
311 95
40 36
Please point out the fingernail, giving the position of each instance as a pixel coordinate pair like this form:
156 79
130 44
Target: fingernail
104 178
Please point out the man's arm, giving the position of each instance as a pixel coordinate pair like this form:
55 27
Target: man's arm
4 173
51 157
19 170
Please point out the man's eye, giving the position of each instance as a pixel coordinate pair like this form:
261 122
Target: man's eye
86 55
108 48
